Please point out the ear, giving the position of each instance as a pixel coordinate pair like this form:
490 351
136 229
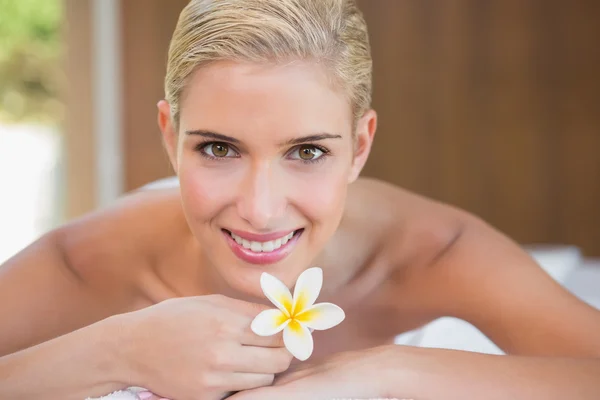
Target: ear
168 130
365 132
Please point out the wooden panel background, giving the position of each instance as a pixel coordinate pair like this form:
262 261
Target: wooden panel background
78 97
491 105
494 106
147 29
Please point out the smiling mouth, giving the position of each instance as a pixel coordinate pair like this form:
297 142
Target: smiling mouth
264 247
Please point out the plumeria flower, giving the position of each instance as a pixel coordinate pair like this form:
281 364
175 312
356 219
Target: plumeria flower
297 316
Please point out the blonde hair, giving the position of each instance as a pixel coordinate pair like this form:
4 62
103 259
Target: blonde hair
331 32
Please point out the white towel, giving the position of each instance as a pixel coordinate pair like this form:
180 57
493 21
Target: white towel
129 394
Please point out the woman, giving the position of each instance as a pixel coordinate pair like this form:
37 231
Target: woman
267 123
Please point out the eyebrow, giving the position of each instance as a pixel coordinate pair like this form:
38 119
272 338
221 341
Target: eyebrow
212 135
294 141
312 138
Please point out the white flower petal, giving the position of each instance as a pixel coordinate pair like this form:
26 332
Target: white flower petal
277 292
307 289
298 340
321 316
269 322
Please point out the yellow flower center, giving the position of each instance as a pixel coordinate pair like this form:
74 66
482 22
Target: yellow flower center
298 313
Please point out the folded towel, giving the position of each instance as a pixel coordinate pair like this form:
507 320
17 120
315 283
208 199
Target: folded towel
129 394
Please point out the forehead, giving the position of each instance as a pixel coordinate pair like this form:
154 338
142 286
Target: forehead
237 96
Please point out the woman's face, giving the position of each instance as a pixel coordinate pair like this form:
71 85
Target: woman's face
264 154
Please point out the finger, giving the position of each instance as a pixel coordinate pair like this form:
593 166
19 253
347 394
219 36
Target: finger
243 320
262 360
250 338
248 308
246 381
236 306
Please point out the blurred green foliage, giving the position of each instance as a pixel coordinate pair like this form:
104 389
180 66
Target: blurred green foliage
30 60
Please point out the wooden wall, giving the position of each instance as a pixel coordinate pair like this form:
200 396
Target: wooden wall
80 176
494 106
147 29
491 105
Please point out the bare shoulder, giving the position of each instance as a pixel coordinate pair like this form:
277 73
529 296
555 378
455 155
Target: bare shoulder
394 235
87 270
110 248
410 233
412 227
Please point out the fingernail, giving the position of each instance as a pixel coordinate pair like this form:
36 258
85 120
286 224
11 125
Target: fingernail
145 395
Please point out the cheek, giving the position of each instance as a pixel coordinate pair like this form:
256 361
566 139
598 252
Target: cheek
202 193
321 197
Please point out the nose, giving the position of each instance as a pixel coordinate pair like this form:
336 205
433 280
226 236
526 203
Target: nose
262 199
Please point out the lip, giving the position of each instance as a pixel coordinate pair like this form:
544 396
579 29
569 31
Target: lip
262 258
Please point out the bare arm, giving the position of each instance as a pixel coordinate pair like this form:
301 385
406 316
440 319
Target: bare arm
449 375
52 295
406 372
452 263
43 295
84 271
44 301
481 276
486 279
74 366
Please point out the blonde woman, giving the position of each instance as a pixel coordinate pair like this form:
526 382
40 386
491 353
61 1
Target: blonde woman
267 123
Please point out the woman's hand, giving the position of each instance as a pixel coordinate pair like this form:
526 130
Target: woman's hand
356 374
200 348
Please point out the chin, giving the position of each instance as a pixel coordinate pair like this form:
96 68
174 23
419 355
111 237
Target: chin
244 277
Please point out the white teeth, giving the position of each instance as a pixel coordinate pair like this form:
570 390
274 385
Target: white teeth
285 239
264 247
268 247
255 247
